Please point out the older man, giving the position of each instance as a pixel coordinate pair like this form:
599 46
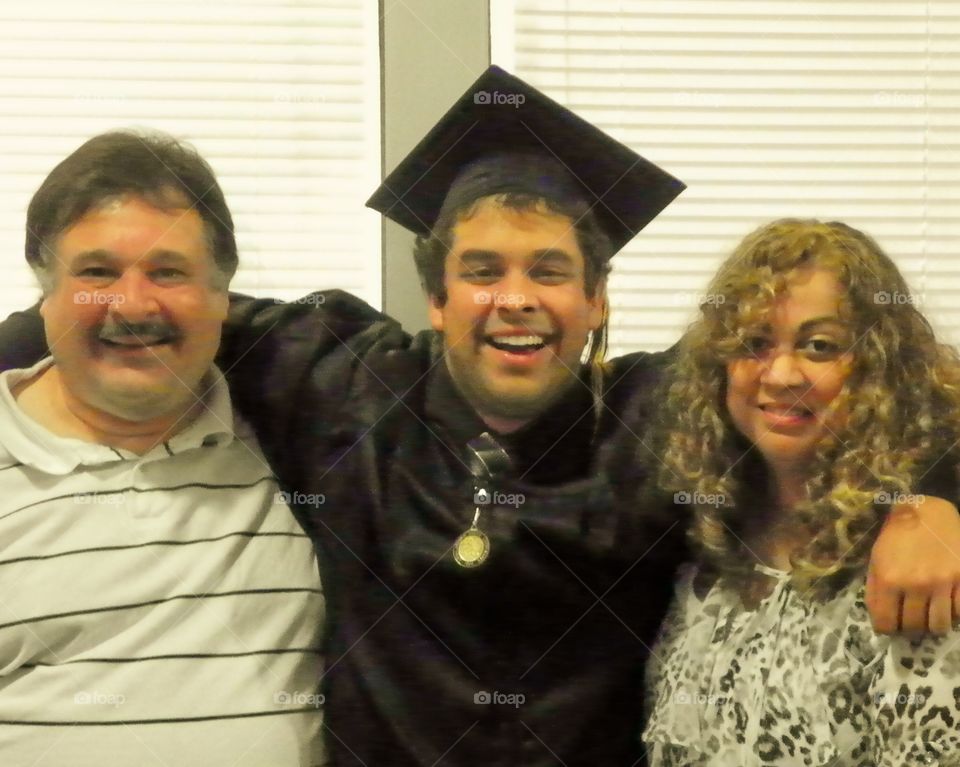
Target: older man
158 605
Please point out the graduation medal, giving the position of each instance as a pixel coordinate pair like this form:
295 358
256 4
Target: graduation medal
485 459
472 548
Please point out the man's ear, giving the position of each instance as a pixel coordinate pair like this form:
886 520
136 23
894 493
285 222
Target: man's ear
597 304
435 312
221 303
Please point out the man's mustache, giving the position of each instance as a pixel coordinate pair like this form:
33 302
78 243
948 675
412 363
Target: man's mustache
114 329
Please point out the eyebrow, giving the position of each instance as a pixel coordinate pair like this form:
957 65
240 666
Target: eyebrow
168 256
830 319
806 325
99 256
89 256
478 256
548 255
554 256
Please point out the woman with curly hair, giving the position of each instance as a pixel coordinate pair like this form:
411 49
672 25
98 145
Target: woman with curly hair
809 397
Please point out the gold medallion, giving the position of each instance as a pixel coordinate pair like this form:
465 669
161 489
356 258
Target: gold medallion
471 548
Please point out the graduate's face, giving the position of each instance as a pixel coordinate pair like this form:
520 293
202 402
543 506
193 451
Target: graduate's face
779 392
134 318
517 317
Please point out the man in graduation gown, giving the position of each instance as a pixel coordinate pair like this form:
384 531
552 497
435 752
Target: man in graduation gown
489 601
492 584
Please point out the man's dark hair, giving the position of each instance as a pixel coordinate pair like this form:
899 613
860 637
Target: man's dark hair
156 167
430 251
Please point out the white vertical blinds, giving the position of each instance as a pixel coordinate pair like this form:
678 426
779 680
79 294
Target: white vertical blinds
280 96
835 110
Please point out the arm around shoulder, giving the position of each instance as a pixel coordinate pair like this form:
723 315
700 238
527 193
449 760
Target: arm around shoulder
289 363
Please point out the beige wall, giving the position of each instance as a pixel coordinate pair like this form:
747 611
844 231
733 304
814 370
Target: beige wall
431 51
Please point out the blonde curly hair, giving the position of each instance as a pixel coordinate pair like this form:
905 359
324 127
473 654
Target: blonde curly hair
901 402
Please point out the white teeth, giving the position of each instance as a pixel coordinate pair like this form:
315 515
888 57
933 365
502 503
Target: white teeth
520 340
785 410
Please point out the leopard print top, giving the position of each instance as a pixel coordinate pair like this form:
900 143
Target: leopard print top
797 682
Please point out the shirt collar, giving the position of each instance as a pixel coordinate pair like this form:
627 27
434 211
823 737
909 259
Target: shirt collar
34 445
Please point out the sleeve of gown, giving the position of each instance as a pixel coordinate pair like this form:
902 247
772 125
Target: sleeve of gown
941 480
916 703
290 366
22 340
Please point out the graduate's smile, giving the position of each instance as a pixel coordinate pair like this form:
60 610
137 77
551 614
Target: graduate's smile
527 343
520 349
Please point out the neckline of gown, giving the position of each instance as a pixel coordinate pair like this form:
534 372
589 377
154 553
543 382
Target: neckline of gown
556 444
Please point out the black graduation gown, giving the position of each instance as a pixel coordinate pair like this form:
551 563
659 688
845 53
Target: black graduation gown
366 429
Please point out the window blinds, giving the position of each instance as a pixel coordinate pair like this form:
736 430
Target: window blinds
280 96
834 110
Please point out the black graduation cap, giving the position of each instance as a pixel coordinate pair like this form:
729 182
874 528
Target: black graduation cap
500 114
